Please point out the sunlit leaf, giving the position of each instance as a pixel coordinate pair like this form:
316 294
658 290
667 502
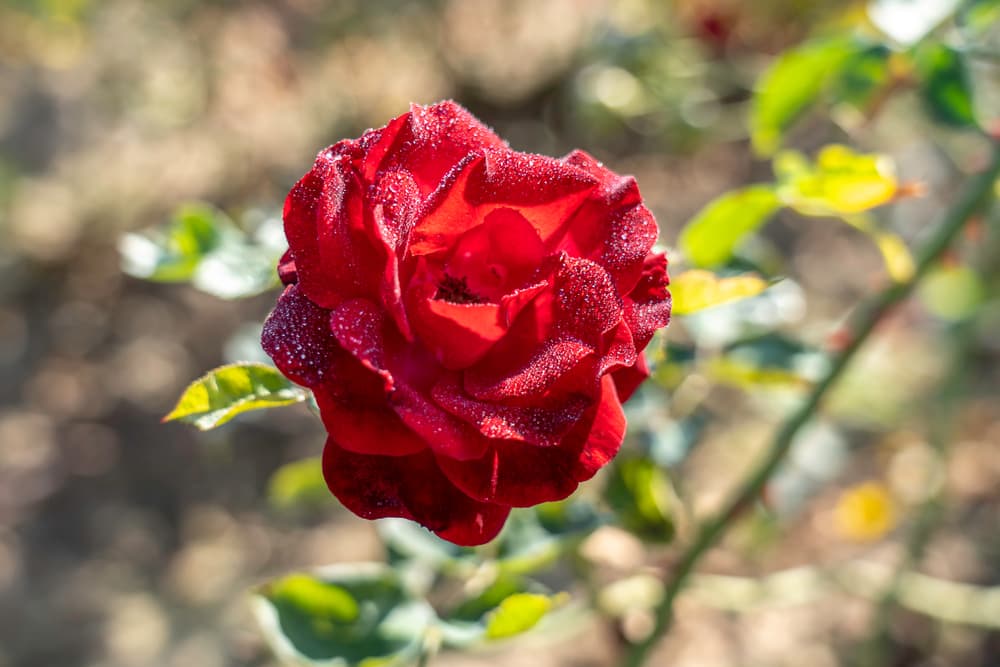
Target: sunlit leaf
896 255
865 512
979 16
227 391
712 236
519 613
299 484
359 614
790 86
642 497
769 360
841 182
945 85
698 289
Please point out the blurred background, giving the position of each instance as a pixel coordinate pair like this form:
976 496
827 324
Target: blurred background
129 543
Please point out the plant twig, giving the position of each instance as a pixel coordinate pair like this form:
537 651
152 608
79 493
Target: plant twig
869 316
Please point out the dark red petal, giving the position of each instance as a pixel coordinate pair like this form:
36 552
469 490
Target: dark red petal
603 438
324 224
431 140
297 337
411 487
612 227
521 474
628 379
533 378
587 303
360 327
540 425
648 306
366 428
357 326
286 269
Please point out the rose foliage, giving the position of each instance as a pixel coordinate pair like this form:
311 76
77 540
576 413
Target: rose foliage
468 317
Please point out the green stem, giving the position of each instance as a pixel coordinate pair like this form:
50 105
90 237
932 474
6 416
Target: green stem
870 314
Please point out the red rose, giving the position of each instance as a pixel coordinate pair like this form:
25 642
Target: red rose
469 318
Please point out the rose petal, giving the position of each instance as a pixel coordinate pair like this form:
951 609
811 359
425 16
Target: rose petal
521 474
286 269
367 429
540 425
628 379
543 190
431 140
297 337
324 223
411 487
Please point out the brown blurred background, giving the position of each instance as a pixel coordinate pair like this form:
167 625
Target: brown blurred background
129 543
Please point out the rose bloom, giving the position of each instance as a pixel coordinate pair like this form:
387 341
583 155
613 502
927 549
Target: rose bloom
469 318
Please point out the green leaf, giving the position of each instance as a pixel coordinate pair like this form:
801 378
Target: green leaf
771 359
862 76
173 253
792 84
359 614
698 289
945 85
979 16
518 614
641 495
299 484
841 182
227 391
712 236
202 246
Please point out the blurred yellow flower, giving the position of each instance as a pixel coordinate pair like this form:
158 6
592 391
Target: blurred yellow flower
865 512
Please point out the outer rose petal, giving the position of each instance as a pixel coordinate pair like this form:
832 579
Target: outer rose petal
324 223
410 487
297 337
521 475
367 429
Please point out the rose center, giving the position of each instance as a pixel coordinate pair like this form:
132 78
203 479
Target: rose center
456 290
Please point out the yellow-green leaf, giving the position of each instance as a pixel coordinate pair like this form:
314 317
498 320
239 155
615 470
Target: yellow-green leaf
712 236
840 182
319 599
227 391
790 86
518 613
698 289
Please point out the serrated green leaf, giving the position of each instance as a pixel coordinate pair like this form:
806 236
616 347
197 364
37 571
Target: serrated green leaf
299 484
840 182
642 497
698 289
517 614
227 391
945 85
358 614
792 84
712 236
